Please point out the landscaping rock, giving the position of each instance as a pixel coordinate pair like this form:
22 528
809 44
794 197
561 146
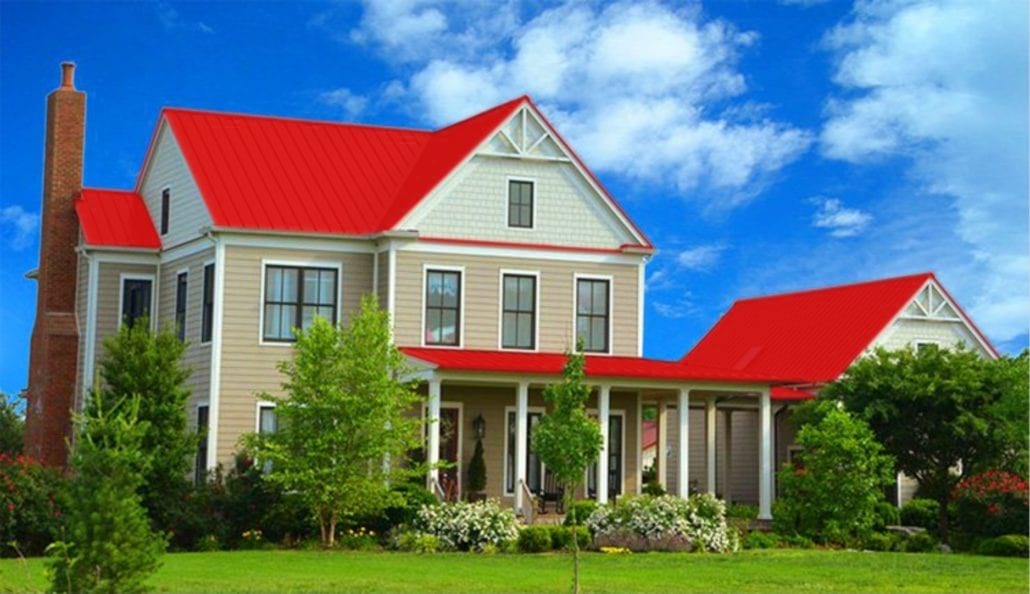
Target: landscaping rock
906 531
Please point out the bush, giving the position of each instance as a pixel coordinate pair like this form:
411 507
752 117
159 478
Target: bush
761 540
887 514
580 511
920 512
922 542
991 503
534 539
666 521
561 537
467 526
1010 545
742 511
882 541
653 488
795 541
361 539
415 542
30 512
413 496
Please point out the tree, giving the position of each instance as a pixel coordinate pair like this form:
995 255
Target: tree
1009 414
935 410
108 546
12 426
832 491
343 412
567 440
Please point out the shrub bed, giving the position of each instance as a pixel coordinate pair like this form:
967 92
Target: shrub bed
467 526
1010 545
663 523
991 503
920 512
30 514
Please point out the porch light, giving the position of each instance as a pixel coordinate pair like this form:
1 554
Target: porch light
479 426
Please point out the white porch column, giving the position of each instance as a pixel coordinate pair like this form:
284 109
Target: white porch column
727 457
603 412
765 476
710 444
521 430
433 455
683 414
661 445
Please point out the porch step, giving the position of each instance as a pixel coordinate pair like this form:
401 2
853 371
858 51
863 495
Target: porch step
547 519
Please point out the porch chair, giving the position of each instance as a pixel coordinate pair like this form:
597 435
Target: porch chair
551 493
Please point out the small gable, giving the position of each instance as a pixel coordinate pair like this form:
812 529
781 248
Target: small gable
165 170
931 317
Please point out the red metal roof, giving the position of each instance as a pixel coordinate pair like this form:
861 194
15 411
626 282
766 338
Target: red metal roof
811 335
792 394
115 218
552 364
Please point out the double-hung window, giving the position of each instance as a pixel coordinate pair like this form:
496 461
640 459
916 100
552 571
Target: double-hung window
294 296
443 307
593 312
518 311
181 288
520 204
208 309
136 298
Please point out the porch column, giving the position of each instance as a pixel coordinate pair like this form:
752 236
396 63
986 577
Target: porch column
521 430
710 444
765 477
603 412
661 444
683 410
727 457
433 455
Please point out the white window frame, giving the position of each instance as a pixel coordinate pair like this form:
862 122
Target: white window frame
214 298
426 267
576 277
504 467
614 412
919 343
507 202
500 309
316 263
257 413
124 276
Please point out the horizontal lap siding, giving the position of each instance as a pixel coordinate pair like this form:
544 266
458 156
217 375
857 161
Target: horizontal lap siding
109 297
248 367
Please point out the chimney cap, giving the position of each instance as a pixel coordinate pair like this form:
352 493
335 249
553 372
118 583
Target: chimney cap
67 75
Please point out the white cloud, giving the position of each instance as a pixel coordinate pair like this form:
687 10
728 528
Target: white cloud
944 85
171 19
683 307
636 87
700 258
350 103
841 221
19 224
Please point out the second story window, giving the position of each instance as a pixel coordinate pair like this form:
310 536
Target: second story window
180 305
208 313
443 307
593 297
520 204
136 298
294 295
166 200
518 312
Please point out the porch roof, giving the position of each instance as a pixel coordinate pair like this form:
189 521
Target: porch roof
552 364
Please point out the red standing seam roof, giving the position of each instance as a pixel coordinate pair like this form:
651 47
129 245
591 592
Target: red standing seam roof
115 218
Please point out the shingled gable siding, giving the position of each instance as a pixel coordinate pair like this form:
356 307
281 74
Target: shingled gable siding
475 206
249 367
947 334
167 169
481 287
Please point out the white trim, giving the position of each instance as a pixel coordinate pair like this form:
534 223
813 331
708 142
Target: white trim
460 437
426 267
186 248
640 443
765 454
257 413
336 265
216 354
524 253
124 276
113 257
92 303
268 239
203 268
612 412
683 443
507 201
641 286
924 342
576 277
504 467
500 309
375 276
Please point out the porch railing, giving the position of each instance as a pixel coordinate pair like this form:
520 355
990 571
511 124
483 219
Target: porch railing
434 486
528 503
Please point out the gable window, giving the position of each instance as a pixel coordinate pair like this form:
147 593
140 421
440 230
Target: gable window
208 313
180 305
294 295
166 199
200 464
443 307
136 299
518 311
520 204
593 313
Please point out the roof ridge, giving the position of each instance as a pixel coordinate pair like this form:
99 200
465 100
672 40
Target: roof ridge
300 120
520 98
924 275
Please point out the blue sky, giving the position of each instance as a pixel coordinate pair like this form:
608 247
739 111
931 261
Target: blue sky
764 146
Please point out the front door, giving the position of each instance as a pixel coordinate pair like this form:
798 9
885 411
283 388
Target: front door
450 435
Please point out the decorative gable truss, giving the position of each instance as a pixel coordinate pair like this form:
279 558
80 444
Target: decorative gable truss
931 304
526 137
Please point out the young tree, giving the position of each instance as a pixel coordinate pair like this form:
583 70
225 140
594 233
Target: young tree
12 426
108 546
344 410
567 440
933 410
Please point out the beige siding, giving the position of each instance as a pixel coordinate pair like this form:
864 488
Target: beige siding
197 356
698 466
109 292
249 367
481 284
167 169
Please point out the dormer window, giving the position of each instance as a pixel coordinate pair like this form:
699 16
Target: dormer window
166 199
520 204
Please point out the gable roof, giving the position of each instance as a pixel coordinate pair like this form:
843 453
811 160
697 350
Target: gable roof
115 218
813 335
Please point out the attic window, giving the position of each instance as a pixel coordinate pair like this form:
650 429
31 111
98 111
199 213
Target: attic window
520 204
166 199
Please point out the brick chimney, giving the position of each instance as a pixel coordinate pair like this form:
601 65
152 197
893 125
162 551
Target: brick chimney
55 339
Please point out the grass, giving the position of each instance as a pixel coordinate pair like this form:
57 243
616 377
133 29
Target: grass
749 571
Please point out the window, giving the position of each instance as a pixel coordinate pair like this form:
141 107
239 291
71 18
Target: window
534 467
267 421
925 345
614 461
180 305
518 312
520 204
592 314
166 199
294 296
136 294
200 465
208 313
443 307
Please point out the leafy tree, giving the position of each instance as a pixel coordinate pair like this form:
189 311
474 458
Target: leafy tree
343 412
567 440
935 410
1010 376
138 361
109 546
12 426
832 492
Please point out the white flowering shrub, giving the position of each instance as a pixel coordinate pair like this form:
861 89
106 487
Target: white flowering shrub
467 526
699 521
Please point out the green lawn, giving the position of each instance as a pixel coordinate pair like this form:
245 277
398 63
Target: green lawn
751 571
